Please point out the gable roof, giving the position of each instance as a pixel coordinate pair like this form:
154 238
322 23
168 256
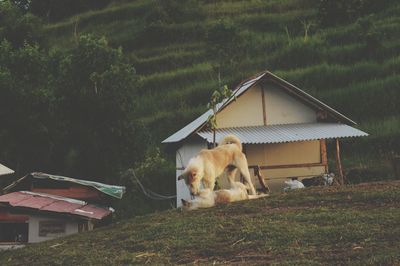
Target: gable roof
243 87
110 190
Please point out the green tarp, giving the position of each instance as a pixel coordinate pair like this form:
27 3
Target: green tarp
113 191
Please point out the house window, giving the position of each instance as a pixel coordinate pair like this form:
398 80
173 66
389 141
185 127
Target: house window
11 232
51 228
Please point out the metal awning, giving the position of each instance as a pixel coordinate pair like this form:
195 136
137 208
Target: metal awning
57 204
286 133
4 170
111 190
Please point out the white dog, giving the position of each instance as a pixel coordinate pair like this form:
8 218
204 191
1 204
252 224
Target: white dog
206 166
208 198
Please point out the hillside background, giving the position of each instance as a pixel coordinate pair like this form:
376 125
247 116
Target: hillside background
89 89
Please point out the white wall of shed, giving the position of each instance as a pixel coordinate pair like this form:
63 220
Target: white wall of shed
188 150
71 227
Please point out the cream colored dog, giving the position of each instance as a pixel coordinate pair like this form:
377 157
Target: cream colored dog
209 164
208 198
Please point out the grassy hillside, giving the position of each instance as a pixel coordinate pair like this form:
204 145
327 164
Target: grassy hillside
356 225
353 66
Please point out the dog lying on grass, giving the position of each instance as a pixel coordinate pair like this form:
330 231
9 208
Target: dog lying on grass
207 165
208 198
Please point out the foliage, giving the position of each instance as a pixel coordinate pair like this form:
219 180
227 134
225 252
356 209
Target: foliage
25 101
95 96
152 173
18 27
218 96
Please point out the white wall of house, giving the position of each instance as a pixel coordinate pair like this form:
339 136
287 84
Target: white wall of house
188 150
71 227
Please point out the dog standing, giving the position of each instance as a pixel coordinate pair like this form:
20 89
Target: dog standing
206 166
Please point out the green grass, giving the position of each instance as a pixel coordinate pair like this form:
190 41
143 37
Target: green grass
352 225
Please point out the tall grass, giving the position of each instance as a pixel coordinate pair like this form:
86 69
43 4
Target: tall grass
334 64
224 8
384 126
373 99
179 77
325 76
171 60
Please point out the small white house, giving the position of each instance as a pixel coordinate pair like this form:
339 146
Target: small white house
283 130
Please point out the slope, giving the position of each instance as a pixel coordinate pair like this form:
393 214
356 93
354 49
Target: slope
350 66
333 225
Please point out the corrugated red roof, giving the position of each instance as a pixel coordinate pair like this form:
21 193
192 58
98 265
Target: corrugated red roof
46 202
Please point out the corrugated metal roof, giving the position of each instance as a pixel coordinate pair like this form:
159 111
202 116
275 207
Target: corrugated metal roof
286 133
4 170
111 190
197 123
244 86
46 202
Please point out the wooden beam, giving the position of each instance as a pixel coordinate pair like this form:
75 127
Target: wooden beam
339 163
263 106
267 167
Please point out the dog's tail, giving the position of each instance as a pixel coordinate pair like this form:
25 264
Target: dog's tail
231 139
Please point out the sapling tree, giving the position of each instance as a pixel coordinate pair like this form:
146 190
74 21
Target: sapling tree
219 95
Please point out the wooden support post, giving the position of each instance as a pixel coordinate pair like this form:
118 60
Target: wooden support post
264 186
324 156
339 163
263 106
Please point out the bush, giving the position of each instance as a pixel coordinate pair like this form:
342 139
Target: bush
156 174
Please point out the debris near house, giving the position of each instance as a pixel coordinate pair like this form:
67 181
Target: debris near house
39 207
293 184
321 180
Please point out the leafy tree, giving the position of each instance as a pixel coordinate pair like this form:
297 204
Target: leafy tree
223 93
95 95
151 174
24 107
18 27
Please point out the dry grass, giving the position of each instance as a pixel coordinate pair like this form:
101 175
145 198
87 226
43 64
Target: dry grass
356 225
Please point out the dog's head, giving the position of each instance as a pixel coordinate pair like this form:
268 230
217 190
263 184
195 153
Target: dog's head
186 204
192 179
